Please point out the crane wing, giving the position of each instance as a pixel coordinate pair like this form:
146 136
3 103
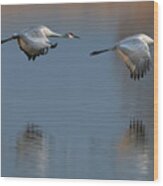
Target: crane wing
136 55
34 44
34 32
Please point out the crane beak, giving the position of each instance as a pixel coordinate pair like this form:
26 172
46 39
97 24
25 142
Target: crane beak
76 37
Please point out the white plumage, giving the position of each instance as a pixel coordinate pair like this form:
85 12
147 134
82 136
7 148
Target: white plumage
135 53
34 41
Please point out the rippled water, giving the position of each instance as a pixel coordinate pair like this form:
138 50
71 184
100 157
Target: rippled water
94 121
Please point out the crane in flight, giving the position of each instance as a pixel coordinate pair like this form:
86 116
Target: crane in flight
135 53
34 41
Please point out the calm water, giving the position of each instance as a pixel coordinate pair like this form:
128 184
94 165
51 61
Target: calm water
95 121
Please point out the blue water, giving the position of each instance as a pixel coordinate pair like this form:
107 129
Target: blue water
85 106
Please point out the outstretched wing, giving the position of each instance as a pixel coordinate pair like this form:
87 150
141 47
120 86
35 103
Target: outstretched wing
34 32
136 55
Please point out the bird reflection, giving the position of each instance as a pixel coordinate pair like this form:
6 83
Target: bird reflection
32 152
137 132
134 148
134 136
33 132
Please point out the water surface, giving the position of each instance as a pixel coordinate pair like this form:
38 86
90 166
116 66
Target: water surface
85 106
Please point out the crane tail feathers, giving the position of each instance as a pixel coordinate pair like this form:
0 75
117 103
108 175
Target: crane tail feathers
137 75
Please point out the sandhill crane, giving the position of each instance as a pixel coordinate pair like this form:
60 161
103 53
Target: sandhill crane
34 41
135 53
